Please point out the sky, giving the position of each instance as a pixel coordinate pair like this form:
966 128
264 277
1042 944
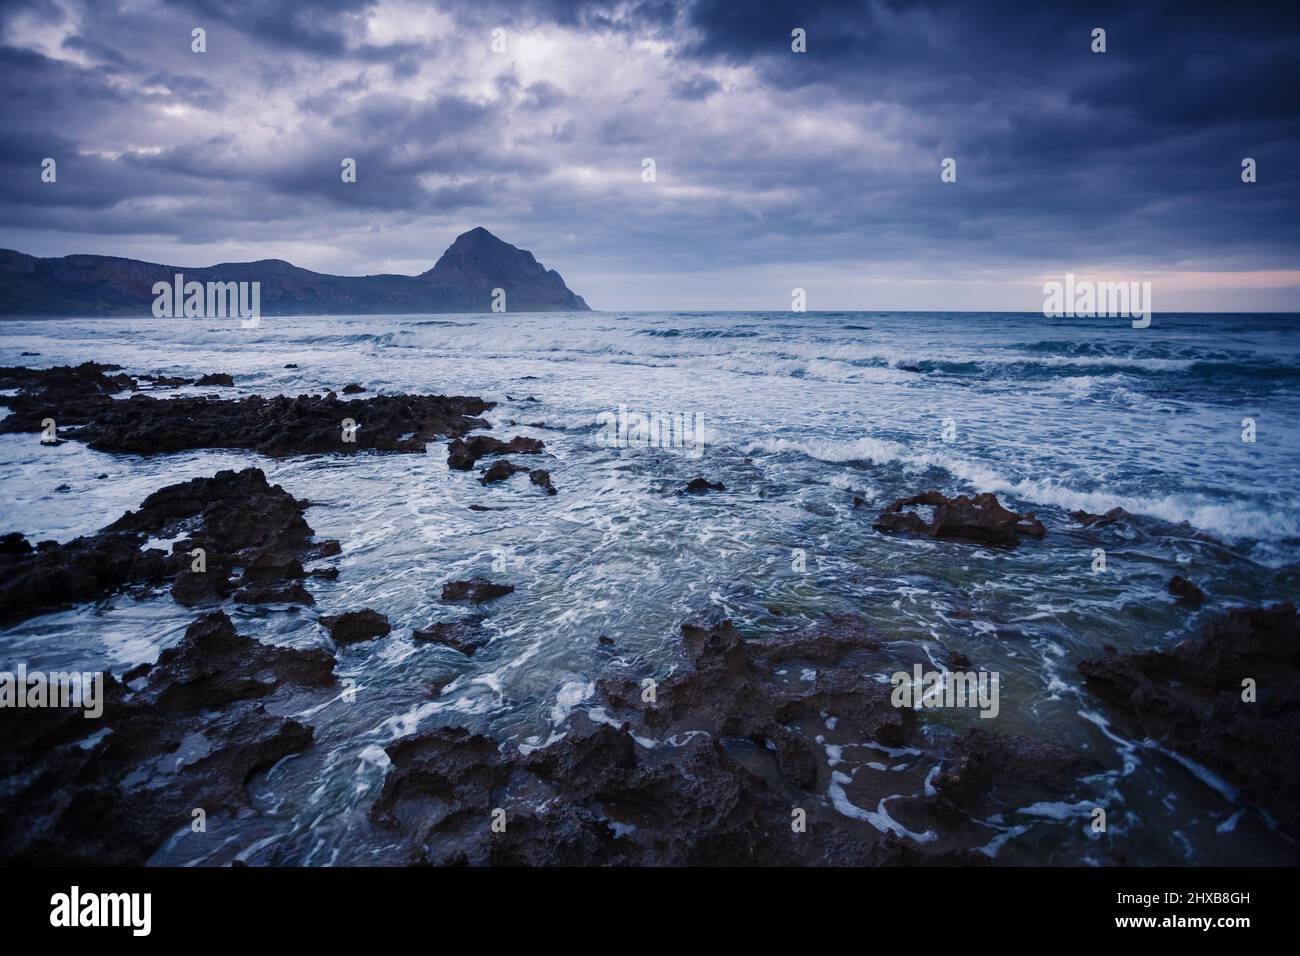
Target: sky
773 169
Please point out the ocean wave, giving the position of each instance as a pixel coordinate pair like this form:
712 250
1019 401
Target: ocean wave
1218 518
732 333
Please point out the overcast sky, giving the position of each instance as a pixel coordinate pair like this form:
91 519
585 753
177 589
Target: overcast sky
774 169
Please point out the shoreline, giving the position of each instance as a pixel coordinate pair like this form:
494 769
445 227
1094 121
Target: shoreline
711 770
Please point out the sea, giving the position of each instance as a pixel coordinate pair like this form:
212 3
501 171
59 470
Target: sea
813 422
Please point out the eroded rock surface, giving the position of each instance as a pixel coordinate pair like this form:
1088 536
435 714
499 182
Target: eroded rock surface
80 402
1185 590
111 790
712 768
980 520
238 519
353 627
466 636
542 479
464 452
474 591
1189 700
697 486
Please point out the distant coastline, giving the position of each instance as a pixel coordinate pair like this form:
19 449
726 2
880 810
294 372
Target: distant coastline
477 273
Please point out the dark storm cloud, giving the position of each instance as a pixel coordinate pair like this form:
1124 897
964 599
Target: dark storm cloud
764 155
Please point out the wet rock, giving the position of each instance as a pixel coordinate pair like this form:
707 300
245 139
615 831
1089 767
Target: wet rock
474 591
439 775
466 636
240 521
214 666
605 640
1099 521
484 508
191 735
435 687
542 479
499 470
980 520
54 575
165 381
352 389
605 803
353 627
700 485
1189 700
325 573
65 385
328 549
13 544
1185 590
730 688
289 593
291 365
463 453
987 773
658 782
216 379
79 400
700 808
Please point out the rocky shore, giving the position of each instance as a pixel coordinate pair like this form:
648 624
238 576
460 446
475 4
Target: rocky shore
720 759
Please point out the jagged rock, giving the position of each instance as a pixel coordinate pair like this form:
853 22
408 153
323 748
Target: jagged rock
190 736
464 452
53 575
1185 590
240 521
542 479
474 591
1190 700
353 627
288 593
1099 521
352 389
79 401
656 783
989 773
465 636
222 379
165 381
980 519
498 471
700 485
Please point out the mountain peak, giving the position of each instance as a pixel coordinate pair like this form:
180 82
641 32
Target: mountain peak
465 279
478 263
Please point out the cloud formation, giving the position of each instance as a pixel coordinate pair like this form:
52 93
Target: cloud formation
774 169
